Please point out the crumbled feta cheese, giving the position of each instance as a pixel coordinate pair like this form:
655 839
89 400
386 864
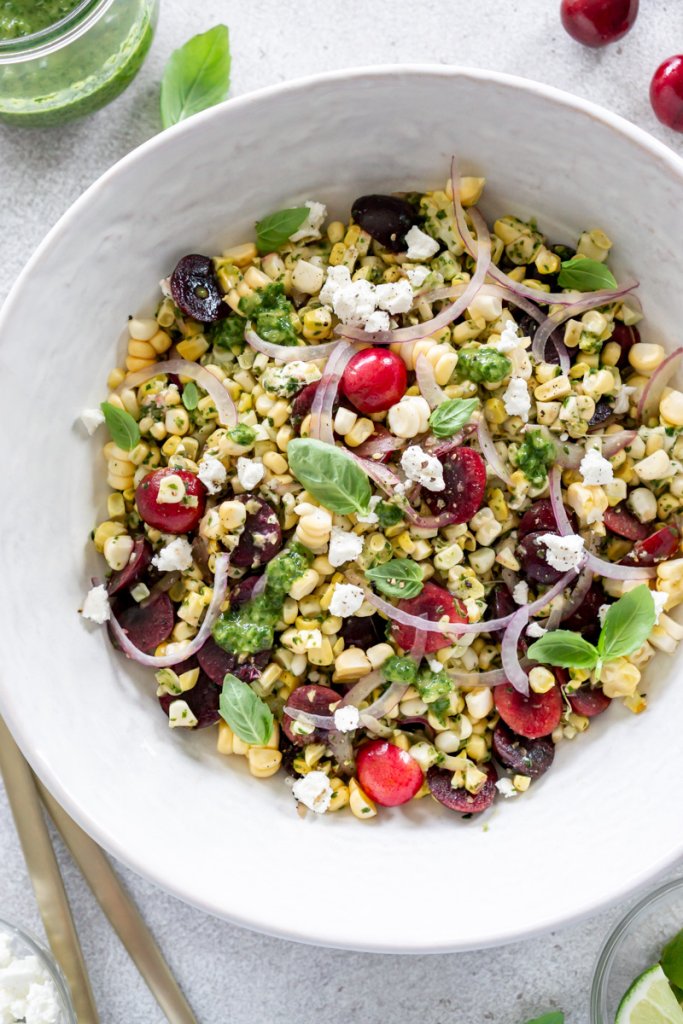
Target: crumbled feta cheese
602 612
418 275
249 473
563 553
509 339
171 490
92 419
434 664
346 600
96 605
520 593
355 302
536 630
290 378
595 469
423 468
660 597
344 546
623 400
314 791
212 474
165 285
310 229
516 399
395 297
337 278
176 556
421 246
377 321
505 788
180 715
346 719
27 993
371 516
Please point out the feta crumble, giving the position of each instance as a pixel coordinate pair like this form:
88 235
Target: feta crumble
595 469
285 380
505 788
520 593
313 791
434 665
355 302
377 321
623 401
310 229
602 612
346 600
92 419
536 630
509 339
421 246
516 399
418 275
249 473
344 546
96 605
660 597
27 992
395 297
371 516
347 719
563 553
423 468
180 715
175 557
212 474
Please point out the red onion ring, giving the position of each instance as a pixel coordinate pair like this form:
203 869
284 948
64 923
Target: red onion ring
648 405
381 443
309 718
225 407
387 701
583 584
559 511
342 748
472 680
570 456
361 690
516 675
619 572
322 408
429 389
220 589
588 301
289 353
489 450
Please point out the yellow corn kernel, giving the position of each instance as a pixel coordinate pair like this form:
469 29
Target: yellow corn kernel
115 379
116 506
494 411
557 387
240 255
362 807
541 680
362 429
340 793
263 762
225 738
105 531
192 348
521 783
351 664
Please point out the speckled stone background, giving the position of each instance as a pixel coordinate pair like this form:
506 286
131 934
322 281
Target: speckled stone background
235 975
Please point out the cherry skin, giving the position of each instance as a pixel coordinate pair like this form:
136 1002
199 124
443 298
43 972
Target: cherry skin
666 92
374 380
170 517
598 22
389 775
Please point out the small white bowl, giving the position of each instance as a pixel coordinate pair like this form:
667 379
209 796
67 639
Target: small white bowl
24 944
417 878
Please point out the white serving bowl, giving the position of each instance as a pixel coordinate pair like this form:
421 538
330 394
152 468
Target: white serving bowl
418 878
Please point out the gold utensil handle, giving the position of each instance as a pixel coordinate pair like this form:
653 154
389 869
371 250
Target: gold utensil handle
45 875
122 913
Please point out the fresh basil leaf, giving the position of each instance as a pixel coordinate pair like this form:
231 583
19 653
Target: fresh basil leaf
124 431
190 396
451 415
248 716
564 648
401 577
672 960
556 1017
274 231
331 476
585 275
628 624
196 76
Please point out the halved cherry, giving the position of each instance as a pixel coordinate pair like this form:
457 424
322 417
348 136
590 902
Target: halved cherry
131 573
389 775
195 289
374 380
301 405
203 701
626 338
541 517
464 475
147 625
261 538
314 699
171 517
532 553
432 603
522 755
656 548
585 620
532 716
589 701
619 520
439 782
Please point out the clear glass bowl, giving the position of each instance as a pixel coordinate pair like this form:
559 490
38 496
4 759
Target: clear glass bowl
635 944
25 944
76 65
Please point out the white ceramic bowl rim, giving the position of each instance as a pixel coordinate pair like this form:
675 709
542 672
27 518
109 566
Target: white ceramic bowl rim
21 728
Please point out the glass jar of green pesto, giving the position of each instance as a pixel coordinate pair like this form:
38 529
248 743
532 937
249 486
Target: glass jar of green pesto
60 59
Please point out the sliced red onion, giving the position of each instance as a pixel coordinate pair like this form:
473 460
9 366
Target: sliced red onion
570 456
387 701
472 680
371 724
289 353
619 572
220 589
648 405
381 443
612 444
489 450
429 389
482 255
559 511
325 722
516 675
225 407
322 409
555 617
341 746
589 300
583 584
161 586
361 690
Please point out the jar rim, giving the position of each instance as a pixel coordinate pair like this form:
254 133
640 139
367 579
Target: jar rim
55 36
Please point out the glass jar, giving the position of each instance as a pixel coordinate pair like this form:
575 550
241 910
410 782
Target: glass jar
77 64
22 944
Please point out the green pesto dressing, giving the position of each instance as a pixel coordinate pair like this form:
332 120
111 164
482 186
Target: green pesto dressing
19 18
271 312
399 669
535 456
482 365
250 628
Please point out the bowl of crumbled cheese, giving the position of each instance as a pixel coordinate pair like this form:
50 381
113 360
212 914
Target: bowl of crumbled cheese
32 988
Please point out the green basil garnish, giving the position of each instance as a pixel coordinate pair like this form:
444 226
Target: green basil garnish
585 275
196 76
274 230
331 476
248 716
401 577
451 415
124 431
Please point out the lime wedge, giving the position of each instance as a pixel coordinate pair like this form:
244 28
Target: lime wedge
650 1001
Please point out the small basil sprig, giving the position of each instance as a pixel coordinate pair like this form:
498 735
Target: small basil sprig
628 623
248 716
196 76
274 230
190 396
124 431
401 577
585 275
331 476
451 415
